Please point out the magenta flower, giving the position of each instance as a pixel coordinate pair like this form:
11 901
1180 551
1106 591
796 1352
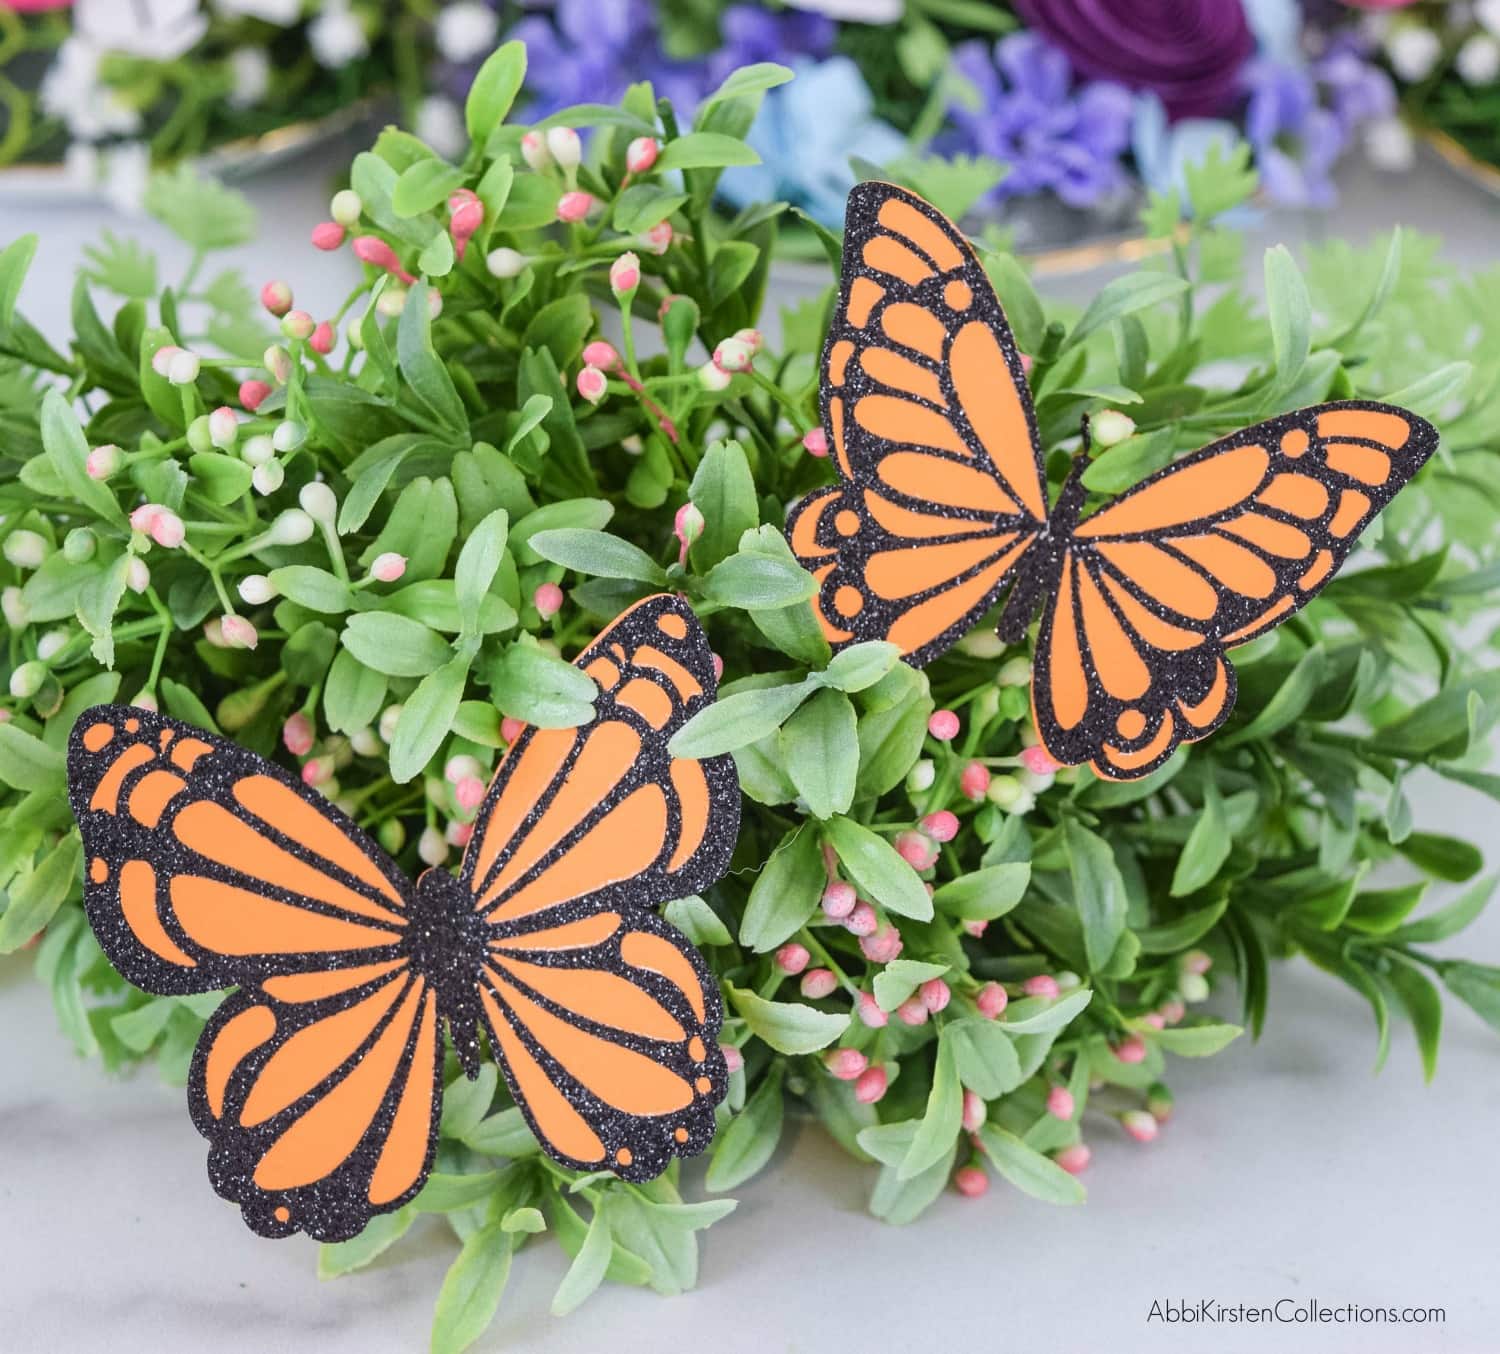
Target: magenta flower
1189 52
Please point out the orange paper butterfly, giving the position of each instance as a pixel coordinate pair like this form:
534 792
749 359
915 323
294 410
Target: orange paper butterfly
942 504
318 1083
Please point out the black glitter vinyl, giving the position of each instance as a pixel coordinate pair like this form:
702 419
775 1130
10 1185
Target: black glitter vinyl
941 508
318 1082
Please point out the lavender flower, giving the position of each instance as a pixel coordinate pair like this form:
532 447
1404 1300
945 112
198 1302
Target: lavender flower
1053 135
1296 140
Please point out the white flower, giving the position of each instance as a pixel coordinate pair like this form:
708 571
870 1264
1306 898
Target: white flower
1388 143
250 70
336 35
127 169
1478 60
160 30
1413 51
466 31
71 90
1487 13
282 13
854 11
441 125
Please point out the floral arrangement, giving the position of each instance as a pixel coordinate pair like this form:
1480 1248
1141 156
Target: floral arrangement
1042 100
259 530
1446 60
108 88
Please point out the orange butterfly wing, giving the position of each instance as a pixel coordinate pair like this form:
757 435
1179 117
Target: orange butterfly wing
1207 554
931 431
604 1018
318 1084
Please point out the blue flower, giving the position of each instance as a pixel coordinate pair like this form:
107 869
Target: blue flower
1053 135
806 133
1296 140
1163 150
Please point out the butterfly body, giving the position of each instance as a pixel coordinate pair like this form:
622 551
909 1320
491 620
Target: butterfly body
318 1081
941 508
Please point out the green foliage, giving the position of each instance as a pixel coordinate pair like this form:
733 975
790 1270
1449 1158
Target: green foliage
453 436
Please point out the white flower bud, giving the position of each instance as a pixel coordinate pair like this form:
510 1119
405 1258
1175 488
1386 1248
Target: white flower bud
506 262
182 370
346 207
256 589
921 776
566 147
289 435
388 718
137 575
318 502
26 549
267 478
258 450
432 846
366 742
17 614
291 527
50 643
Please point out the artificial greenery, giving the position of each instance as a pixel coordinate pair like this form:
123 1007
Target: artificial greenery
446 413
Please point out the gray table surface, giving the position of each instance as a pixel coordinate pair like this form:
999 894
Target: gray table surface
1287 1172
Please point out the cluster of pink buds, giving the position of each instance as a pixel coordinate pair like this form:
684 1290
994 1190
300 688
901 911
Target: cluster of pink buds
160 523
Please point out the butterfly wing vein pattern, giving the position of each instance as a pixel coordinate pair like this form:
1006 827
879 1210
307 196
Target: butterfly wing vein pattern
318 1081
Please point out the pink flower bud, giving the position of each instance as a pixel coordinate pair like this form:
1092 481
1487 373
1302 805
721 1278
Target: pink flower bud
752 338
912 1012
1038 761
971 1181
688 525
593 385
1155 1019
712 377
838 900
276 297
1074 1159
734 355
976 927
941 826
870 1085
974 1112
974 781
602 355
1060 1102
733 1058
317 771
815 443
1173 1011
658 239
388 567
223 427
468 794
1141 1125
457 833
328 235
161 524
641 154
297 324
1042 985
818 983
861 920
1131 1049
253 394
297 734
238 632
625 275
991 1001
464 222
373 250
548 600
278 362
104 461
718 667
943 725
322 338
161 359
792 958
845 1063
869 1012
1196 961
935 994
917 850
574 206
882 945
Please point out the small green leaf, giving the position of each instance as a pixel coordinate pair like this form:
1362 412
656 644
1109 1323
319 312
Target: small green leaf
900 978
786 892
589 1266
27 763
737 720
705 150
820 750
1098 891
787 1026
1207 847
536 688
68 450
724 491
427 718
1195 1041
697 921
1028 1170
1420 1000
394 645
750 1139
860 666
940 1121
1124 296
754 582
316 589
37 897
478 562
985 1057
984 894
1041 1015
877 870
422 367
471 1291
1290 312
597 553
493 92
423 185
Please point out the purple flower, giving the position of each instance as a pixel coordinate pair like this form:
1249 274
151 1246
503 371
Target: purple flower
1189 52
1296 140
1029 115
